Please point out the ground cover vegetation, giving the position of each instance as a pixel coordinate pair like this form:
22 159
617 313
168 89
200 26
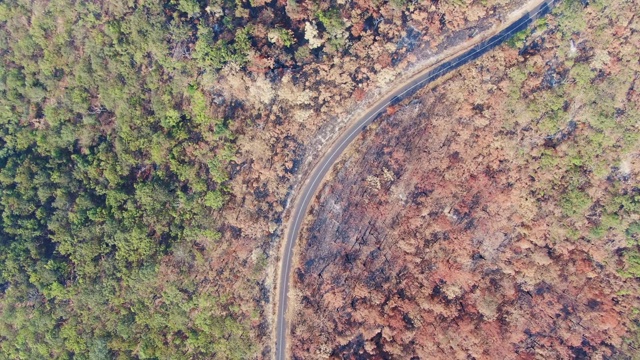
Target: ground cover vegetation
493 216
147 149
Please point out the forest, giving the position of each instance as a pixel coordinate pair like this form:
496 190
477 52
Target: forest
495 214
111 159
148 151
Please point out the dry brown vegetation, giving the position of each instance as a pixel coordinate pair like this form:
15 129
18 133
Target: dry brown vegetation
148 151
494 216
294 106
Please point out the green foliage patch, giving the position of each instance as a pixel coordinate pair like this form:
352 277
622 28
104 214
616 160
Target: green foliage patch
585 168
109 162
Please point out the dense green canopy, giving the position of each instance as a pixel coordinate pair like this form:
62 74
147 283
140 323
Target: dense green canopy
109 161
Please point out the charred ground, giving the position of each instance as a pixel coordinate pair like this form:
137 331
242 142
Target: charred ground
494 216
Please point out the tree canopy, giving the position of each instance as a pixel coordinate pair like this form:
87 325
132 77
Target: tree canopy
109 161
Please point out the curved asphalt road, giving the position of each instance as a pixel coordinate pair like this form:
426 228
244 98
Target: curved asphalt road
537 8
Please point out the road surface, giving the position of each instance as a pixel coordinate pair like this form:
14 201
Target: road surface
475 48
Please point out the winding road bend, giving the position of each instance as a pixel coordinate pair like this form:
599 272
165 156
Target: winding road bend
475 47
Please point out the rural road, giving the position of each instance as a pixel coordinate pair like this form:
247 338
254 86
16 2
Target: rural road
474 48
